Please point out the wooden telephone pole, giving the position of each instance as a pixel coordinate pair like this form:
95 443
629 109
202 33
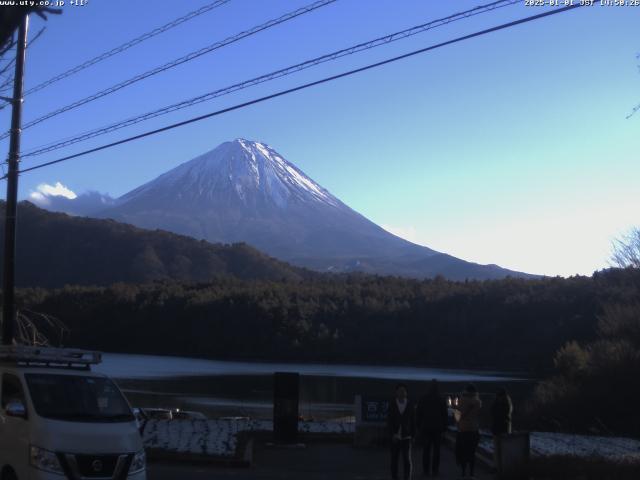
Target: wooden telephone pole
11 207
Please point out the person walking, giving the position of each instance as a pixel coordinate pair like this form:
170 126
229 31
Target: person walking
501 414
402 426
432 419
468 437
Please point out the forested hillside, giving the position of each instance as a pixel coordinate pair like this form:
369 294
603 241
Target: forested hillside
56 249
141 291
503 324
595 385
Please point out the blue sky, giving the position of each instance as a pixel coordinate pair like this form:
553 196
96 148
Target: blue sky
512 148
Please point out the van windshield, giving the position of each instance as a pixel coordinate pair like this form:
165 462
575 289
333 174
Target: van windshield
77 398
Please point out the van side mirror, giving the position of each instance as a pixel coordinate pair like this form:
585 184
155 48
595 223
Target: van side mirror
16 408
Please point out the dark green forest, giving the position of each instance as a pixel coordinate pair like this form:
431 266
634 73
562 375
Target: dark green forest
509 324
595 387
55 249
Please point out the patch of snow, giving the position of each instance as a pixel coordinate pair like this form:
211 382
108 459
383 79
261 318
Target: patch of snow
305 182
263 149
239 190
550 444
547 444
249 168
198 437
219 438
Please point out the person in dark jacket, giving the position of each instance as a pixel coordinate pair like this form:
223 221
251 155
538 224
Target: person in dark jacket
402 429
468 418
432 419
501 412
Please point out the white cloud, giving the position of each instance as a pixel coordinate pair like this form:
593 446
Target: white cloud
39 199
43 192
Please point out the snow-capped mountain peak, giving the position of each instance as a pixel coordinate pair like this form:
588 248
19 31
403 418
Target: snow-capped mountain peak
251 172
274 168
245 191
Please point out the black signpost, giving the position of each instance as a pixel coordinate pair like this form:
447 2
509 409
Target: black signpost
286 398
371 420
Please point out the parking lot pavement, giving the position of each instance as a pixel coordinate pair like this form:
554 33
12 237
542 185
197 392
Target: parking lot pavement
318 461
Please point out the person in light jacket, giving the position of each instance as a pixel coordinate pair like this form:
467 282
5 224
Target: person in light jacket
402 429
468 437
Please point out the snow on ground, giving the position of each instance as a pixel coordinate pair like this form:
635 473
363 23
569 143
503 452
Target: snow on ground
198 437
339 428
549 444
219 438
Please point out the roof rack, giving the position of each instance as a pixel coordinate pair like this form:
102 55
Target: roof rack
49 356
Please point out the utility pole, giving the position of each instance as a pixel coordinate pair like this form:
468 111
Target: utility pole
11 207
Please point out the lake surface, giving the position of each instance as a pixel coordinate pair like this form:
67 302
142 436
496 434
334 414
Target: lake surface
149 367
327 391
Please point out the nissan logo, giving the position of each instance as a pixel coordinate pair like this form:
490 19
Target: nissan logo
96 466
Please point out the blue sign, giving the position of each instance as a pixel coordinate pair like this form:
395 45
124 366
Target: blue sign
375 409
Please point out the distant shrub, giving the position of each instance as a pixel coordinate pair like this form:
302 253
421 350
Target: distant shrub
596 387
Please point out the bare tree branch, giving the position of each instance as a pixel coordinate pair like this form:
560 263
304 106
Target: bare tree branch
10 18
626 250
7 66
7 46
6 82
35 328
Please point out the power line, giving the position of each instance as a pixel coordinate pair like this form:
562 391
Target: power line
269 76
179 61
305 86
128 45
6 83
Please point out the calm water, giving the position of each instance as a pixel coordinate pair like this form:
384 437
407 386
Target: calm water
219 388
154 367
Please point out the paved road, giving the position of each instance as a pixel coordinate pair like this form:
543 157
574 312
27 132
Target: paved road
315 462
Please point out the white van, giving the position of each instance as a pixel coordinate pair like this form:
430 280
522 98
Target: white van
59 420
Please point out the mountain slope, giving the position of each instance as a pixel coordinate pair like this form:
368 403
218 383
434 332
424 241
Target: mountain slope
55 249
83 205
245 191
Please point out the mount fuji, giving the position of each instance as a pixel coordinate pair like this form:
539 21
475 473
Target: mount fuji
245 191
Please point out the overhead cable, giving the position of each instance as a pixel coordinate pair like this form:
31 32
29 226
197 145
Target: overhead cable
125 46
267 77
178 61
305 86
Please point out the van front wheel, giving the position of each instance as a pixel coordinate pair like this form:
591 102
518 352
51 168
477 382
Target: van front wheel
9 474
